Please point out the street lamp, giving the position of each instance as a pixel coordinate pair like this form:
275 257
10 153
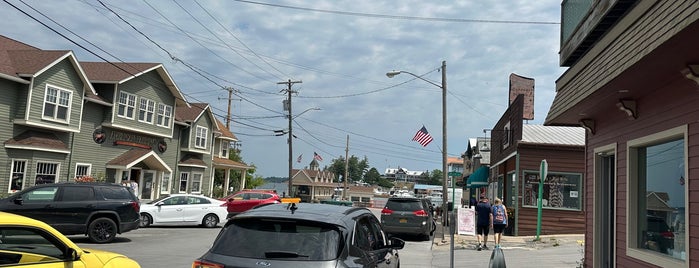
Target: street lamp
443 86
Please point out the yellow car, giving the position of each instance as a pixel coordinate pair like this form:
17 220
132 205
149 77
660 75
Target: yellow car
29 243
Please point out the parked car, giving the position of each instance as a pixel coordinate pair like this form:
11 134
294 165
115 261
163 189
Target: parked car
302 235
183 209
98 210
247 199
659 235
408 215
30 243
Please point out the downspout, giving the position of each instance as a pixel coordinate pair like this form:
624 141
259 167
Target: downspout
517 195
175 177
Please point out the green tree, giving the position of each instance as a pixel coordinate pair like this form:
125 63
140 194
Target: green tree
357 168
372 176
251 181
435 177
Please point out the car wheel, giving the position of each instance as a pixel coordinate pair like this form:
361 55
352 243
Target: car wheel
210 221
102 230
146 220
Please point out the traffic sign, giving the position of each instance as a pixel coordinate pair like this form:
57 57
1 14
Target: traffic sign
454 174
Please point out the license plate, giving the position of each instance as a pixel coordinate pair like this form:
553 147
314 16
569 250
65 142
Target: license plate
403 220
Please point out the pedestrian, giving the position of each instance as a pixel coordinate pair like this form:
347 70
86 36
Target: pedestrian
484 221
499 220
134 187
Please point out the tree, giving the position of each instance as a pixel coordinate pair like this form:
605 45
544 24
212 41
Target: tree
372 176
435 177
251 181
357 168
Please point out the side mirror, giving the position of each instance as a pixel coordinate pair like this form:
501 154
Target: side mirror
18 200
159 204
396 243
72 254
230 199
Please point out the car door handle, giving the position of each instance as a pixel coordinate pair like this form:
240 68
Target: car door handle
179 209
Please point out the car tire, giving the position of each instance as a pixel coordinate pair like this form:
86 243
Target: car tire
146 220
102 230
210 221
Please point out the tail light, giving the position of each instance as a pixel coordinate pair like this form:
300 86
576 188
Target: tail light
420 213
668 234
205 264
136 206
386 211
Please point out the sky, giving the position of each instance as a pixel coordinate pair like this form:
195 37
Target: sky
338 51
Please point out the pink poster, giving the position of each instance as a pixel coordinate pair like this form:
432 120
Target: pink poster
467 221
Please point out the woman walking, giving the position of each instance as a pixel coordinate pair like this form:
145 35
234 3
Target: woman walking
499 220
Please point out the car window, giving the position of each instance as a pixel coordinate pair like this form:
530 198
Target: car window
28 245
404 204
77 193
279 239
177 200
265 196
42 194
198 200
114 193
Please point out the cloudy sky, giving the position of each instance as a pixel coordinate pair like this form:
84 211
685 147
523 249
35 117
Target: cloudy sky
340 50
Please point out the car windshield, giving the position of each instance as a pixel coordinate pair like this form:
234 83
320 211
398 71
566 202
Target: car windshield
279 239
404 204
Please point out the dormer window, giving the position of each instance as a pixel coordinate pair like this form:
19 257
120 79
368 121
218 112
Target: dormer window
57 104
127 105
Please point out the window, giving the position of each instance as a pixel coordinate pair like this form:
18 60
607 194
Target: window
184 179
657 197
164 115
43 194
506 136
19 169
196 182
165 184
74 194
82 170
46 172
33 245
127 105
225 145
57 104
561 190
200 141
146 109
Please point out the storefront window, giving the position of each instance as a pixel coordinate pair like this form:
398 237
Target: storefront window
561 190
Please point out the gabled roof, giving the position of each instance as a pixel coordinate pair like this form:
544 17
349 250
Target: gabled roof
191 113
225 133
553 135
121 72
225 162
134 156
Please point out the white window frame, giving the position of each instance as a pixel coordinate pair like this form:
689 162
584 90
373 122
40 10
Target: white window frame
18 164
197 178
632 200
57 170
86 166
165 183
127 102
507 136
225 147
164 115
185 176
146 110
58 101
201 137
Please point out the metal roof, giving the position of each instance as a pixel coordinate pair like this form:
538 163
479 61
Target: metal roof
553 135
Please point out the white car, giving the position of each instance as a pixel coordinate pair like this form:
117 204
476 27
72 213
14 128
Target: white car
183 209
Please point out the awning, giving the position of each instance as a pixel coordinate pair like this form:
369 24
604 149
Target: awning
478 178
134 156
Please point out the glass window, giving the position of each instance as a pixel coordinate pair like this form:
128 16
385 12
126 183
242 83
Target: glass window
77 194
42 194
196 182
82 170
561 190
657 198
146 109
164 115
127 105
19 169
225 145
31 246
57 103
184 179
201 137
165 183
46 172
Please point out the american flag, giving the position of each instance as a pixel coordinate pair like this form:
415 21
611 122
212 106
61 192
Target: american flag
298 160
317 156
423 137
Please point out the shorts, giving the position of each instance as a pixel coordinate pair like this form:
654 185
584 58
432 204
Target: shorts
498 228
482 230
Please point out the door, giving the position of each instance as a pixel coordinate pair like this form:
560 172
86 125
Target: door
605 210
171 210
147 182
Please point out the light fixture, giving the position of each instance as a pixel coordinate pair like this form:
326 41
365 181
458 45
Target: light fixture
588 124
484 147
393 73
629 107
690 73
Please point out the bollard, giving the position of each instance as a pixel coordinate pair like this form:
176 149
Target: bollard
497 259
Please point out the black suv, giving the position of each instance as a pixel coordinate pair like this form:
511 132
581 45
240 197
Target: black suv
408 215
98 210
303 235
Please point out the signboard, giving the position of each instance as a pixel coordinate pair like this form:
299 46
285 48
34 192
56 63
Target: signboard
467 221
524 86
454 174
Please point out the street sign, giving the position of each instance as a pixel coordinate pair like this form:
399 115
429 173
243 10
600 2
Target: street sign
454 174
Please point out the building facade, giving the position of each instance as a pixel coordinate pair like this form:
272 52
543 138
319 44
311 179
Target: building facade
632 83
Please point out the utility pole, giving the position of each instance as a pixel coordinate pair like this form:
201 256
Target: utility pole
344 195
287 106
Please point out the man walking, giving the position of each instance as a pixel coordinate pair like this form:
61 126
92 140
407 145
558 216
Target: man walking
484 221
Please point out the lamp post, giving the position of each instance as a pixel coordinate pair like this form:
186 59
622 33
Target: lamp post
443 86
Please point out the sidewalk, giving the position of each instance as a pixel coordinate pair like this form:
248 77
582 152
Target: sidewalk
562 250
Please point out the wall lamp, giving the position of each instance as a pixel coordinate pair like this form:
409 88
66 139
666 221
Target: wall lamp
588 124
629 107
691 73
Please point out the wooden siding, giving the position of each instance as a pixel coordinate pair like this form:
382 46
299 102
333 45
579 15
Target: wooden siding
8 106
64 76
149 86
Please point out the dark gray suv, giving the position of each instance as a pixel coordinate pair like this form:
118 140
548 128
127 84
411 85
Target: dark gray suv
303 235
98 210
408 215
